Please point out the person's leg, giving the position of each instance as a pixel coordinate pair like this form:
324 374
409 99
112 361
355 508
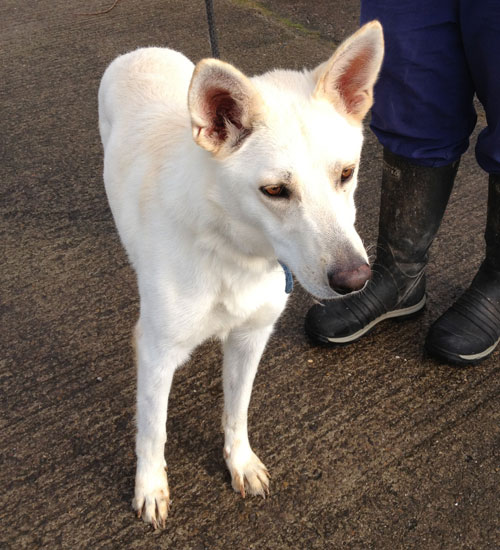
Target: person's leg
480 23
470 330
423 108
423 116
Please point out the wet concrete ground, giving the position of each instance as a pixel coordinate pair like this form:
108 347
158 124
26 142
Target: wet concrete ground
371 446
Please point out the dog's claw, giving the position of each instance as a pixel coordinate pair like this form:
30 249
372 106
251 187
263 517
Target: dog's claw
252 477
240 481
264 480
152 500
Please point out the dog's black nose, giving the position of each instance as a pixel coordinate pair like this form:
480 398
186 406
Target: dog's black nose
349 280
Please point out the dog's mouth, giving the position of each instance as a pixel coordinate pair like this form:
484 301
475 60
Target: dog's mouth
345 292
318 291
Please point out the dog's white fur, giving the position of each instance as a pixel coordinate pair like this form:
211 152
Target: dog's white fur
188 151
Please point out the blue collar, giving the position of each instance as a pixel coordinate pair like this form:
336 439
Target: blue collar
288 278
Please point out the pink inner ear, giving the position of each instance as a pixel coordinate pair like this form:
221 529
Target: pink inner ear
220 108
352 83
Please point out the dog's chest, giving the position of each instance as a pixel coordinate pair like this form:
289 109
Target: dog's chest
248 299
236 300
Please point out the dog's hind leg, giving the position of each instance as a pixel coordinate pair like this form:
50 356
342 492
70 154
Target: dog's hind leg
155 368
242 352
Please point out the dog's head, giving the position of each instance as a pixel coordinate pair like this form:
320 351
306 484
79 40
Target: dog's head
286 147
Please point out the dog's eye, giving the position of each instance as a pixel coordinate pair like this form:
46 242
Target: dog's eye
347 174
276 191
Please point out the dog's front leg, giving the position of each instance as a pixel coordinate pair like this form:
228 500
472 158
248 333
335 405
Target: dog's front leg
242 352
155 369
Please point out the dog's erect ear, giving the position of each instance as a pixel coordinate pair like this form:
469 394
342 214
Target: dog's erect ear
348 77
223 104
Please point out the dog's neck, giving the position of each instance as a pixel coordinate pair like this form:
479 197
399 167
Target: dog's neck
237 244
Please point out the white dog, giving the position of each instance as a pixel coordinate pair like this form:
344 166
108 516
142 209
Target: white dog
213 178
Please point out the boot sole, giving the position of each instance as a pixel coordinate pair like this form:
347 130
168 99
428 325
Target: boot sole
460 359
403 312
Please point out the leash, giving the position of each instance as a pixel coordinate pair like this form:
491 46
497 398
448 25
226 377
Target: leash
212 31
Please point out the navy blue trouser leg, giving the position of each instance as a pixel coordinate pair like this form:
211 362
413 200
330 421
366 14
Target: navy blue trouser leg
438 54
481 37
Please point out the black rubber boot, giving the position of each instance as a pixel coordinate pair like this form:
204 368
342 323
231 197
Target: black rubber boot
413 201
470 330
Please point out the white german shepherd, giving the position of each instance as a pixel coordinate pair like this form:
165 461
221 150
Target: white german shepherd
213 179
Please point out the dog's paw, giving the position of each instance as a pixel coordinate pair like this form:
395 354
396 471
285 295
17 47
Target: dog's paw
152 497
248 474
